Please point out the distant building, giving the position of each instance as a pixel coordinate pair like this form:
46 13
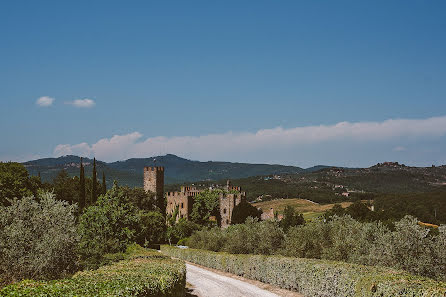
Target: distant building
184 199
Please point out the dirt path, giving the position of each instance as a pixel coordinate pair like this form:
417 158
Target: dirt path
211 283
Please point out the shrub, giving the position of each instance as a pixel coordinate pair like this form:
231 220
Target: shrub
252 237
37 239
313 277
208 239
409 247
142 273
181 229
106 227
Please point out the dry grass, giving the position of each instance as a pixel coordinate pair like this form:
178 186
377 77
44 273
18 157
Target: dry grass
300 205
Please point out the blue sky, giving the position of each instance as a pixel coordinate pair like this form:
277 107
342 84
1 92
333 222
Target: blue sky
201 78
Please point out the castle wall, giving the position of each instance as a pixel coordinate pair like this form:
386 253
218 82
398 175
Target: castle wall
227 204
154 182
182 200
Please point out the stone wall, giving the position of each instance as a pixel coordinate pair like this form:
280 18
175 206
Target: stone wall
227 204
154 182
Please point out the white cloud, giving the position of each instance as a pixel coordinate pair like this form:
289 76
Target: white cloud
45 101
399 149
267 142
82 103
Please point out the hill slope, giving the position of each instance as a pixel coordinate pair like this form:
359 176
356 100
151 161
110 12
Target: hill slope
178 170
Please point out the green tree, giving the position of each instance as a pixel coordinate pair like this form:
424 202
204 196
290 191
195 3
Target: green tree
243 210
104 185
38 239
359 211
291 218
107 227
140 198
336 210
14 182
94 193
66 188
206 204
151 227
82 197
181 230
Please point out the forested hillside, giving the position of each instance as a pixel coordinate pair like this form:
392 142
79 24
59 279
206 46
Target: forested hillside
178 170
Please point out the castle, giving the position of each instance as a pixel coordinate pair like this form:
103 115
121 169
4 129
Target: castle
184 199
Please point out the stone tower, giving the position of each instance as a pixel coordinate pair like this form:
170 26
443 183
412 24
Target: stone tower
154 182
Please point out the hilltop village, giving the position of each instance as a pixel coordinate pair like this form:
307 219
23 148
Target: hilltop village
184 199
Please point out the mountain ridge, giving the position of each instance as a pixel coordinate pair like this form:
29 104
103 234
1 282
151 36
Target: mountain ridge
178 169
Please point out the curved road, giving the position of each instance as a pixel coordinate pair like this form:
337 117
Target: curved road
206 283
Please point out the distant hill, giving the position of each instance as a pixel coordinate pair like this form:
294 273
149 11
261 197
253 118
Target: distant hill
177 170
325 184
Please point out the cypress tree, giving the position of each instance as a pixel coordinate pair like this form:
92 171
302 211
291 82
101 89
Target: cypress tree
82 188
104 186
94 181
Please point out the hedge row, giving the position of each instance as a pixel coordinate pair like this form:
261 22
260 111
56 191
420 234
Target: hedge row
142 273
313 277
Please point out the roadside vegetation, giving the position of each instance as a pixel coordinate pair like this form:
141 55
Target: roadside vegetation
75 235
314 277
71 238
141 273
406 245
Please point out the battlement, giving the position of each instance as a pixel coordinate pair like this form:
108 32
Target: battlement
158 168
231 188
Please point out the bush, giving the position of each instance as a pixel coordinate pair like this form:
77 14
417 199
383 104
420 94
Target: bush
252 237
208 239
410 246
181 229
37 239
107 227
313 277
142 273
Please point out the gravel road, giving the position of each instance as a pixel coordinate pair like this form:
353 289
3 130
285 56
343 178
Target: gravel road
206 283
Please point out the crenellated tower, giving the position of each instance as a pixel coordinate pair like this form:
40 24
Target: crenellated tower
154 182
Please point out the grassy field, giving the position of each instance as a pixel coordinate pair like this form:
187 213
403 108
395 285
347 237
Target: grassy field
308 208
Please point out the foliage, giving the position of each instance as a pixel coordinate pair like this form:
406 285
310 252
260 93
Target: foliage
151 227
82 197
15 182
66 188
141 273
428 207
410 246
252 237
107 227
94 187
312 277
206 204
180 230
37 239
103 185
291 218
140 198
242 211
